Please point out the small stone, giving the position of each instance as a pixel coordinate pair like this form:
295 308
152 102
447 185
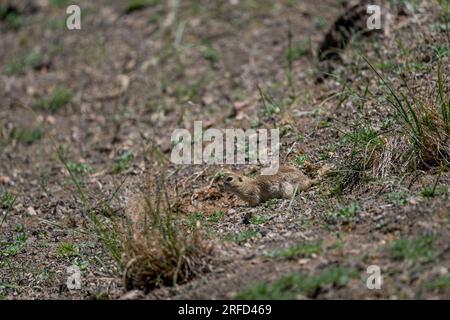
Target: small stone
5 179
31 211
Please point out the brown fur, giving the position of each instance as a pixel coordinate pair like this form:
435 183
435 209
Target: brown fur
257 190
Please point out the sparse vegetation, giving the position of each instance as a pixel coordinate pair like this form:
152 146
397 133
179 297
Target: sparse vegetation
108 98
123 162
22 62
67 250
7 200
14 247
412 249
297 251
59 98
80 168
157 249
298 285
243 236
344 213
27 136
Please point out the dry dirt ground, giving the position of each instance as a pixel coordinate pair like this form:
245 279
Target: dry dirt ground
91 102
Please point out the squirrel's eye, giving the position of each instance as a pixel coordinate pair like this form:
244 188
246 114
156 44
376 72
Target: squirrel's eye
229 179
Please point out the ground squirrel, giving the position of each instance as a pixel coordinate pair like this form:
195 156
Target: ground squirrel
254 191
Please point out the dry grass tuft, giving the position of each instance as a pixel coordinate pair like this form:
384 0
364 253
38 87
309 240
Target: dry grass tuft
417 139
158 248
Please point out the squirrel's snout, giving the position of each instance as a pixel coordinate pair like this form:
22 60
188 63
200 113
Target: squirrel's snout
227 183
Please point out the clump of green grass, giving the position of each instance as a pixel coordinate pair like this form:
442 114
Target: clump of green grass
243 236
27 136
424 120
10 249
7 200
440 282
59 98
297 51
67 250
299 161
80 168
259 219
211 54
435 190
11 17
299 250
216 216
363 145
413 249
297 285
22 62
431 192
135 5
150 243
343 213
321 23
123 162
157 247
199 218
194 218
399 198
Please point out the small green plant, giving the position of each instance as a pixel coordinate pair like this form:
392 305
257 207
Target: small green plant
320 23
7 200
344 212
399 198
16 246
194 218
431 192
123 162
12 18
299 161
258 219
135 5
24 61
299 284
300 250
298 51
216 216
362 147
435 190
27 136
413 248
67 250
440 282
211 54
243 236
80 168
59 98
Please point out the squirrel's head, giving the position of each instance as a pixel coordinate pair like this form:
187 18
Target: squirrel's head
233 181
